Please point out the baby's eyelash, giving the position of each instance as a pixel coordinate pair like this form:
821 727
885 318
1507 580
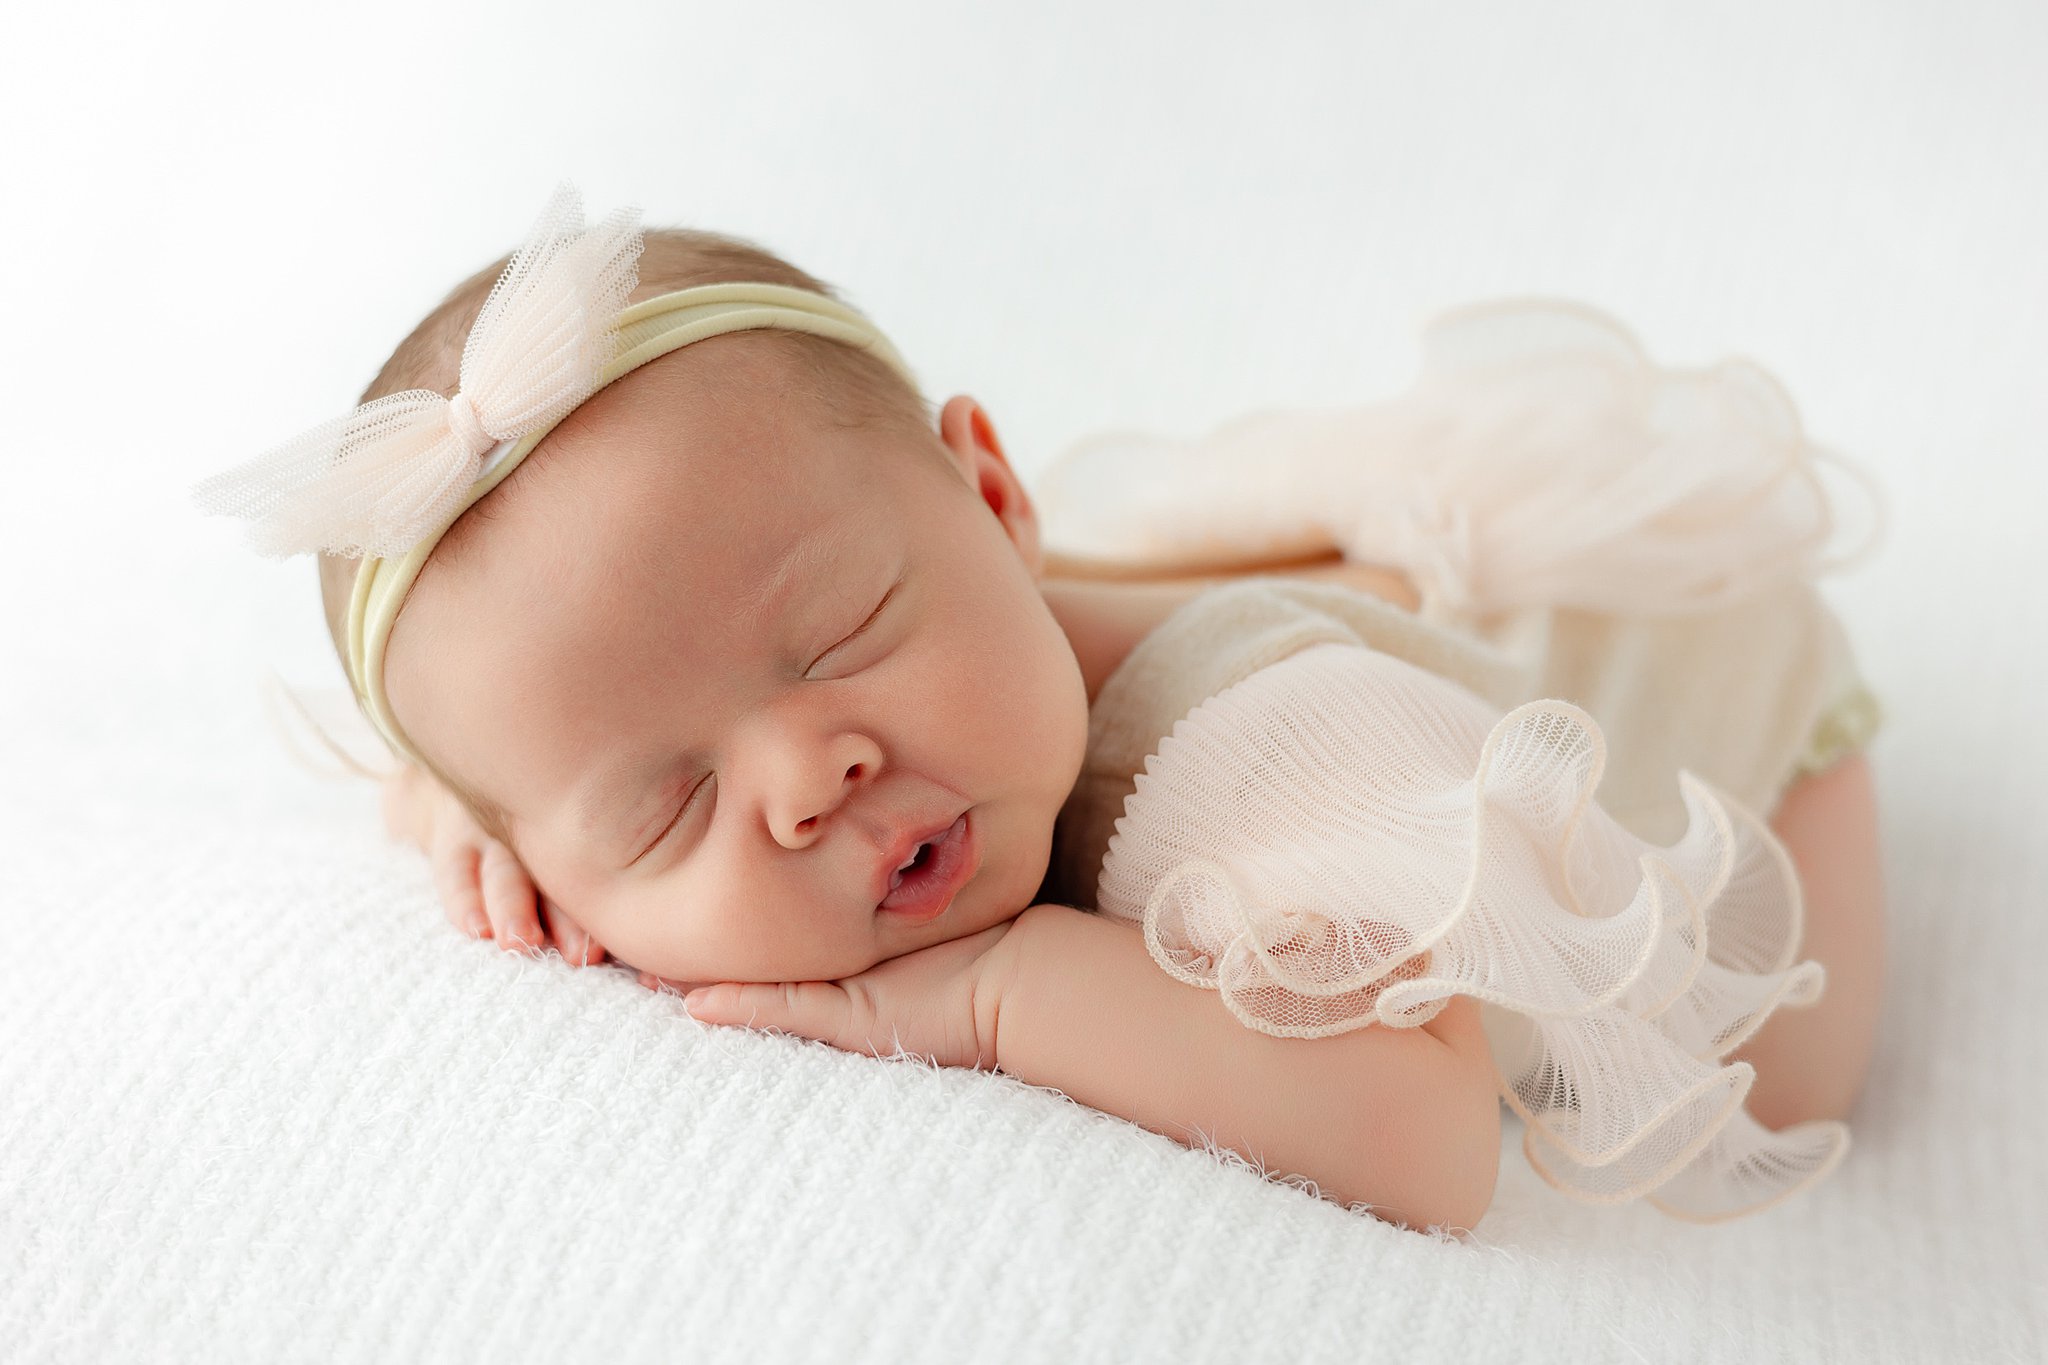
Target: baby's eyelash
674 820
862 629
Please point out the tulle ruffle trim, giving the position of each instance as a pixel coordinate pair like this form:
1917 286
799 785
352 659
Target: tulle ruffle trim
1343 839
1540 457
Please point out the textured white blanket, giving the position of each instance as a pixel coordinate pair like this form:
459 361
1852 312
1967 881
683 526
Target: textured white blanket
258 1102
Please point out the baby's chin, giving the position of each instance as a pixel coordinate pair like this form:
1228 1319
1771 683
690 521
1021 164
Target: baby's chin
945 929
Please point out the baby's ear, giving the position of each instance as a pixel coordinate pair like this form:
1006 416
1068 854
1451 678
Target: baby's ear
967 431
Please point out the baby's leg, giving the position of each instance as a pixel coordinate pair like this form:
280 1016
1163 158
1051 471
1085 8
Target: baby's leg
1810 1062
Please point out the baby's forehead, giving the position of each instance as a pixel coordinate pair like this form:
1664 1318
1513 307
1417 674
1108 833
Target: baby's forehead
755 515
718 436
719 479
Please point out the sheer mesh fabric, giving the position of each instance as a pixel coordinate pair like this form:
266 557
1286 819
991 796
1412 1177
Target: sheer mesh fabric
1540 458
1344 840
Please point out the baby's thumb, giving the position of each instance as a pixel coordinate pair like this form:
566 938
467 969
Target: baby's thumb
810 1009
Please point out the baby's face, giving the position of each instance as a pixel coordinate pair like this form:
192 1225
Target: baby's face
715 656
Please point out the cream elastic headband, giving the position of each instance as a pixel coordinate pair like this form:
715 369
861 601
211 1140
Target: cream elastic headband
389 479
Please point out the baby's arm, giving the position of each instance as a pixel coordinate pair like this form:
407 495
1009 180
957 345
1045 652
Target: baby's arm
1407 1120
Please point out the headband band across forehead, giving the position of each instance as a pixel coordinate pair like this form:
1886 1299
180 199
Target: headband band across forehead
387 480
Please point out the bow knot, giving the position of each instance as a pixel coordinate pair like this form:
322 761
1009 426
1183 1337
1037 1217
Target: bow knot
380 479
467 425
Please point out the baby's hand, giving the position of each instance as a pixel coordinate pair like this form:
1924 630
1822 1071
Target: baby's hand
938 1002
484 890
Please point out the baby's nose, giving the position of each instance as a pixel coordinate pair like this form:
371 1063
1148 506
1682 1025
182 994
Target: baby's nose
821 788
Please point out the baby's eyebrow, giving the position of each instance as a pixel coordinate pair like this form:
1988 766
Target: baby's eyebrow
801 563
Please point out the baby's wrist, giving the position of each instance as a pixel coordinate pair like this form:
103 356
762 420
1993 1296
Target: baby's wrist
1003 968
1028 975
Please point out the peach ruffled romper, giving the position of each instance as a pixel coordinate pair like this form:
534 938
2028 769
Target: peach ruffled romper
1547 789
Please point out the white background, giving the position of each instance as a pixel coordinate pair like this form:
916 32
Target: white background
222 218
218 220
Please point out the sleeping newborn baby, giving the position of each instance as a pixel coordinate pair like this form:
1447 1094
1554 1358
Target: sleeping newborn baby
750 674
749 666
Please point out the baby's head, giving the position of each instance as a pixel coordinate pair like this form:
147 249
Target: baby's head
740 624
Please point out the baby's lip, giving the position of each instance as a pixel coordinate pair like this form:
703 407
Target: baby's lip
900 850
928 893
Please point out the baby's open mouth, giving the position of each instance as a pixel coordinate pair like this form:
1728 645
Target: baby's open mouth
922 890
916 861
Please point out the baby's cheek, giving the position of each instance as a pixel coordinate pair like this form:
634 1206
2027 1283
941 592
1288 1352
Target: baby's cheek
605 916
644 948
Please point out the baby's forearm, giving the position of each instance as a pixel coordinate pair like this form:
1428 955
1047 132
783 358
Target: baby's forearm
1407 1120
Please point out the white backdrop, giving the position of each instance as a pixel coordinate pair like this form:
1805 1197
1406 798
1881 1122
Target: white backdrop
220 218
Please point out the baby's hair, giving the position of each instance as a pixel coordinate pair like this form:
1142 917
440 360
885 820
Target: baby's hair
853 387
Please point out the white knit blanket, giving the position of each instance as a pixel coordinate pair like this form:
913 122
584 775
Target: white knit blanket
259 1102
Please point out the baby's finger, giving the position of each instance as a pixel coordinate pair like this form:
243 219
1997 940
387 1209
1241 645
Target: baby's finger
578 947
455 878
824 1010
510 900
